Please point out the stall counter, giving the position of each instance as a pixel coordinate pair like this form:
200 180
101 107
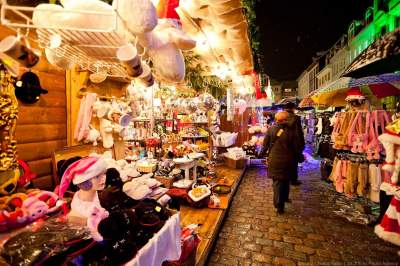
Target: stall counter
210 220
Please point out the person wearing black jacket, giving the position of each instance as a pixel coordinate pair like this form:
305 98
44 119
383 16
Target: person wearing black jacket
282 147
294 122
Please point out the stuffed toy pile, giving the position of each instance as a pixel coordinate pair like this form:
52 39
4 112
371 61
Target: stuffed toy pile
162 38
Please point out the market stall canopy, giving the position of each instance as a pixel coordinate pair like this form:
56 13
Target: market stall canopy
220 28
334 94
383 56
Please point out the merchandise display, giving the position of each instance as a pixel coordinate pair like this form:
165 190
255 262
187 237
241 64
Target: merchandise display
114 162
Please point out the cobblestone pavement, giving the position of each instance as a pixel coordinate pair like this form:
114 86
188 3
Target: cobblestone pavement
309 233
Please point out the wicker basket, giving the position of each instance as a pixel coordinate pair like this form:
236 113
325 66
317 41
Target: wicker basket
166 181
146 168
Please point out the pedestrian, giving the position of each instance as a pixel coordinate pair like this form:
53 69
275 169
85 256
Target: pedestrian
294 122
281 145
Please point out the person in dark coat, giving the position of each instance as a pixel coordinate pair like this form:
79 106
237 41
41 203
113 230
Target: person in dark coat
282 148
294 122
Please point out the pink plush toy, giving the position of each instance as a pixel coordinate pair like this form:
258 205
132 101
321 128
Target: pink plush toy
34 208
97 214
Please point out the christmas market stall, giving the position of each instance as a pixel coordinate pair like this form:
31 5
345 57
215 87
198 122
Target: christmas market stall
121 129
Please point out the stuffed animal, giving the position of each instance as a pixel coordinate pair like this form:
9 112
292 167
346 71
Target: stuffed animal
140 16
96 216
391 142
164 46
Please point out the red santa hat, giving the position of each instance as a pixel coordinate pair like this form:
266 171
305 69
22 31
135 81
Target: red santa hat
166 9
355 94
81 171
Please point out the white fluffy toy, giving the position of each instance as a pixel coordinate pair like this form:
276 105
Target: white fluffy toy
391 142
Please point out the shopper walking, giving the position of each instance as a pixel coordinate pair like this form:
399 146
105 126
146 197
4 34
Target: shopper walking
294 122
282 147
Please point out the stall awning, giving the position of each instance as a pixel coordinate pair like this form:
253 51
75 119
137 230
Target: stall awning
220 29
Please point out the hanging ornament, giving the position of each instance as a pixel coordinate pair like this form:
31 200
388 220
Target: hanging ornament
206 101
193 105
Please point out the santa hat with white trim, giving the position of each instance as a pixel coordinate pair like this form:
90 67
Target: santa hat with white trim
354 94
81 171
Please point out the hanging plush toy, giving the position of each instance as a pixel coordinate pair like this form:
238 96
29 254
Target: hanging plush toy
391 142
164 46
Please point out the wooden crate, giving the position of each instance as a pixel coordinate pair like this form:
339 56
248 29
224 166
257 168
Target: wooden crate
236 164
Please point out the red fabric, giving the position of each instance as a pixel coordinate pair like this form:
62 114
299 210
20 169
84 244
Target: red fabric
257 86
166 9
389 224
384 90
354 92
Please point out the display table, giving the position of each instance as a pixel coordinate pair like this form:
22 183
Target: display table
210 220
186 166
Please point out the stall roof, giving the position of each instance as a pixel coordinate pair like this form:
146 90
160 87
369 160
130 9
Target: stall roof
220 28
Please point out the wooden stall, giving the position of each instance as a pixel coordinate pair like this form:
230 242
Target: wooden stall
42 127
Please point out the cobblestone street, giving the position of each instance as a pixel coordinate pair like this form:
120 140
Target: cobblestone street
309 233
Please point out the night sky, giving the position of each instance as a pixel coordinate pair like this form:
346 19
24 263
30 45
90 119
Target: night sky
293 31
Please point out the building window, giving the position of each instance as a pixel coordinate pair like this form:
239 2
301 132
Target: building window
329 76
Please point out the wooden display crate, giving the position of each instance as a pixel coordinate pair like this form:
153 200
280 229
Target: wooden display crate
237 164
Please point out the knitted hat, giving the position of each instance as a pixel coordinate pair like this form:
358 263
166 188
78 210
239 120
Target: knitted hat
81 171
354 94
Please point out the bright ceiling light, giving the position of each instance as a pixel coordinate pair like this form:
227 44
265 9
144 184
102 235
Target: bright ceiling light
188 5
201 43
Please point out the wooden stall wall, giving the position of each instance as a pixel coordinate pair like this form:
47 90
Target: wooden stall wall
42 127
238 124
75 81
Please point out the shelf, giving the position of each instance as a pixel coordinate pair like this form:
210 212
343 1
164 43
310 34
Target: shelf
190 123
194 137
91 48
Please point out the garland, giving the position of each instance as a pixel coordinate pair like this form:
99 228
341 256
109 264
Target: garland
197 77
249 7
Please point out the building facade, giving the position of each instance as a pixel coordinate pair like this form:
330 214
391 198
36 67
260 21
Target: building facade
303 84
382 17
324 77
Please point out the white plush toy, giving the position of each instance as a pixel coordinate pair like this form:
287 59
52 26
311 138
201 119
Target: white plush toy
164 46
140 16
391 143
